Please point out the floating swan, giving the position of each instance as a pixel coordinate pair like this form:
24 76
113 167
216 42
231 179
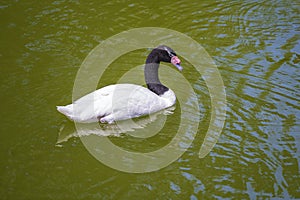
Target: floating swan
124 101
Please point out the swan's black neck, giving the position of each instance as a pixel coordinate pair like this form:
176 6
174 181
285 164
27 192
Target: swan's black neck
151 70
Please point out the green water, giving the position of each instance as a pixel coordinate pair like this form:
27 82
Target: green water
256 46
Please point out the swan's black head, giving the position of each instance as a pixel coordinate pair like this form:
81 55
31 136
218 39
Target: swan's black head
164 53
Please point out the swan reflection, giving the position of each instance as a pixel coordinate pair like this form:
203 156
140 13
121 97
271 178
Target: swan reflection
142 127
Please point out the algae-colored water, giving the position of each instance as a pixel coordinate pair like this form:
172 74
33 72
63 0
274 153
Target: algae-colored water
256 46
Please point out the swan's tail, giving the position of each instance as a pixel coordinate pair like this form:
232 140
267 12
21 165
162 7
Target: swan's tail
66 110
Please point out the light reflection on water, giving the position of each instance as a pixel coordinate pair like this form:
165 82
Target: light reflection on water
256 46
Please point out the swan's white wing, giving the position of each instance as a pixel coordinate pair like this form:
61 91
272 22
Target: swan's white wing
113 103
93 105
129 101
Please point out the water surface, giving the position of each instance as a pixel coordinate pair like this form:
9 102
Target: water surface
256 47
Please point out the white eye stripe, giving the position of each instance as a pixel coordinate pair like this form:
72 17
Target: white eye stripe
170 53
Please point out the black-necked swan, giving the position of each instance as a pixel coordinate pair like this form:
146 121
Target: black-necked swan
124 101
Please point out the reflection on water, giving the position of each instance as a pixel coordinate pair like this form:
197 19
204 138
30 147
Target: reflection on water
142 127
254 43
260 71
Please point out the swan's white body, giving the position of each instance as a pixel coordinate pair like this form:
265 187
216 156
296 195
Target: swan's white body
117 102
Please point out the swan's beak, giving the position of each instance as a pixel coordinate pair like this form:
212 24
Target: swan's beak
176 62
179 67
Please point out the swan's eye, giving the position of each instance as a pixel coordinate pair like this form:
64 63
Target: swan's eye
172 54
